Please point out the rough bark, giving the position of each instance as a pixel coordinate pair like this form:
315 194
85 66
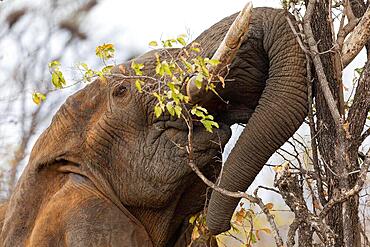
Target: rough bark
358 8
335 150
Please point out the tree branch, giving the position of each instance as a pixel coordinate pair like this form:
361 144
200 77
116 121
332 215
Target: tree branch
354 191
357 40
361 104
318 65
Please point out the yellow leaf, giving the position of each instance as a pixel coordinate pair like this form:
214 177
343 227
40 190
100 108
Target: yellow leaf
153 43
277 169
138 85
195 234
222 80
38 98
281 167
258 234
192 219
269 206
266 230
240 216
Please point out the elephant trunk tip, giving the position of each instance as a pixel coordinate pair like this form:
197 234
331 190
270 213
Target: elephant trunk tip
218 218
216 227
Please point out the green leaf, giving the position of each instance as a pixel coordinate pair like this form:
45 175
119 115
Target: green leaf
153 43
170 108
107 69
214 62
208 124
138 85
157 111
181 40
196 49
234 228
159 97
38 98
57 79
188 65
84 66
167 43
105 51
178 110
192 219
359 70
137 67
54 64
166 68
201 109
199 81
61 77
252 237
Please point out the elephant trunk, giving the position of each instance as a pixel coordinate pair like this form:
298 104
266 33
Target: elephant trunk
281 109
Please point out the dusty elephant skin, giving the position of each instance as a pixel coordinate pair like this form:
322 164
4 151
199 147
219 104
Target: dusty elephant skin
108 173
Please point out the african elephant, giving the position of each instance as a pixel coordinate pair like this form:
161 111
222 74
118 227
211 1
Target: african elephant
106 172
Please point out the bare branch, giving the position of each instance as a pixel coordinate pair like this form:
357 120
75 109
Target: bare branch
270 218
345 30
357 40
292 194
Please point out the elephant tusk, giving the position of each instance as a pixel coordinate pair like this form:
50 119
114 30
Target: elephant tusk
225 53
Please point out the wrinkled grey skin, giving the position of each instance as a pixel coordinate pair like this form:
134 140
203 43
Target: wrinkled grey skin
108 173
106 155
269 79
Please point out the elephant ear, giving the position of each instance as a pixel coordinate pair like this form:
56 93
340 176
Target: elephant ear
64 143
65 136
63 139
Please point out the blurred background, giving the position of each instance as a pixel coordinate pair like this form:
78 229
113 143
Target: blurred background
33 33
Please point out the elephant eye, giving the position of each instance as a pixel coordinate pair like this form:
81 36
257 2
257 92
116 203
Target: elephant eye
120 90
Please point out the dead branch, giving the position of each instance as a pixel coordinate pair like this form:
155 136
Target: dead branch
357 40
292 193
270 218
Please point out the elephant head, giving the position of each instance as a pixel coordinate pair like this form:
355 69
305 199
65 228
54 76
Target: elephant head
266 91
108 133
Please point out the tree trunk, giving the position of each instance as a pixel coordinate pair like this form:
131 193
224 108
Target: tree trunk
343 218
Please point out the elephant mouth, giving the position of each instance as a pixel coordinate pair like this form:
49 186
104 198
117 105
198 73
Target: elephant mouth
176 131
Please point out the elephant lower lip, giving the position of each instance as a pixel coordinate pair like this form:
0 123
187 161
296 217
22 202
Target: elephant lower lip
234 115
177 124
